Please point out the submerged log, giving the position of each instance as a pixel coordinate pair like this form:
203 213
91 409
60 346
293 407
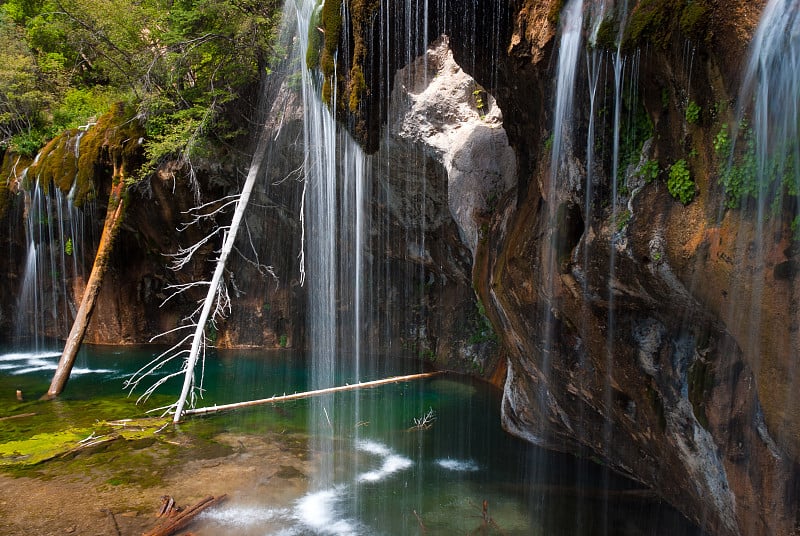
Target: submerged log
182 519
309 394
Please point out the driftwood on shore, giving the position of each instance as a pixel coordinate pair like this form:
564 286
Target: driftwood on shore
182 519
309 394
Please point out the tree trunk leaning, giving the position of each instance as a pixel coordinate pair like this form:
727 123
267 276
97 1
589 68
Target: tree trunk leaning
114 215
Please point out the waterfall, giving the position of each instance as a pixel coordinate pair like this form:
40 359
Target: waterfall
562 145
762 180
56 238
336 187
568 55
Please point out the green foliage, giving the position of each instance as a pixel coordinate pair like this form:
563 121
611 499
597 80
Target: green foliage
722 142
632 137
480 104
79 106
795 228
283 341
739 176
68 247
182 62
692 112
485 332
548 143
27 143
680 183
649 171
623 218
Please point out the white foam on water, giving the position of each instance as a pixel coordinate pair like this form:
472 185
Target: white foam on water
38 366
391 464
318 512
25 356
462 466
245 516
373 447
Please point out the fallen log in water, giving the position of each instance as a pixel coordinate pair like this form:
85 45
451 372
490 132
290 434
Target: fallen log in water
182 519
309 394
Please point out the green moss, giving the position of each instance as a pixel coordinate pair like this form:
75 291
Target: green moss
656 21
607 33
108 147
57 164
650 21
331 23
315 39
623 217
693 112
694 18
40 447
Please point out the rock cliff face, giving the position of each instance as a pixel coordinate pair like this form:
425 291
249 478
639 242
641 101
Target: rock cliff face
653 334
632 344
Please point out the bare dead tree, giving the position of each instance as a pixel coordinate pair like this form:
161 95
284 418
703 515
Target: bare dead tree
217 303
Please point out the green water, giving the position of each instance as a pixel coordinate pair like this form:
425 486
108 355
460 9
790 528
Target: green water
388 477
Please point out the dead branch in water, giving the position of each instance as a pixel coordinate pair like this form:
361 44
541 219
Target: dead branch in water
309 394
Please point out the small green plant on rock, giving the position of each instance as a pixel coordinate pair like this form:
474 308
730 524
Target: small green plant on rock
680 183
622 219
480 104
692 113
722 141
649 171
68 248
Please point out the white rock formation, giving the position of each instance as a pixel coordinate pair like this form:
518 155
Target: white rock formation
442 125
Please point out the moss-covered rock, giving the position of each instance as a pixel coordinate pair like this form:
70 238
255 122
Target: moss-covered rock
79 162
657 21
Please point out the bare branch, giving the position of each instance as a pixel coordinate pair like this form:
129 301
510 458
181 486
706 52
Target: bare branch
181 289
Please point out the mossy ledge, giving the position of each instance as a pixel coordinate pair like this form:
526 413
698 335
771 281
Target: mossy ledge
657 21
326 37
116 137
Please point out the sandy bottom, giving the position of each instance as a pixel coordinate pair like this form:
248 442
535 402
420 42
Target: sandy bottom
256 473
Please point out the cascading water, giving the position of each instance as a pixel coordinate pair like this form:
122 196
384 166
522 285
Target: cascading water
336 183
762 180
57 237
560 166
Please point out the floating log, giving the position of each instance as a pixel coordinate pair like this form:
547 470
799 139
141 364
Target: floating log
309 394
181 520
